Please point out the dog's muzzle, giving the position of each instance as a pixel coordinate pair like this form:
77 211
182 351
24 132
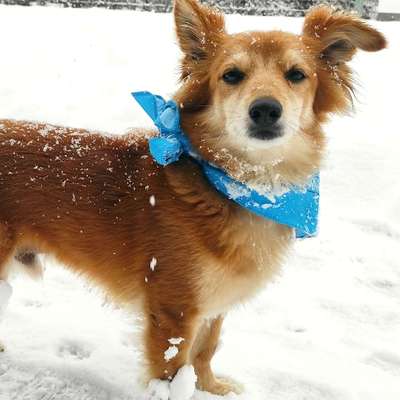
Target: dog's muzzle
265 114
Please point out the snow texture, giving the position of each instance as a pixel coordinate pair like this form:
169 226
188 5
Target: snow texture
182 387
184 384
327 329
176 341
5 294
157 390
235 191
153 263
170 353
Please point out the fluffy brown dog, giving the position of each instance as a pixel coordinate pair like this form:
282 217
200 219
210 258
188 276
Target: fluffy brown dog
252 103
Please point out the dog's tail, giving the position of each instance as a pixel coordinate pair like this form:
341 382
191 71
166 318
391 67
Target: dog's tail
28 262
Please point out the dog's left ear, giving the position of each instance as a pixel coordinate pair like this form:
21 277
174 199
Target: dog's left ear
199 29
340 34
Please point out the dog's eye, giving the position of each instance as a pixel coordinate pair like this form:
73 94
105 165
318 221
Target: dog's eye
295 75
233 76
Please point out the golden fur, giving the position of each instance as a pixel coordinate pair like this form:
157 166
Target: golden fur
87 198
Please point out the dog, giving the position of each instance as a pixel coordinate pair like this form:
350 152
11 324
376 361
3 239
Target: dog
251 103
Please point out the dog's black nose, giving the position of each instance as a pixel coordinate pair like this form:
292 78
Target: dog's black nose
265 112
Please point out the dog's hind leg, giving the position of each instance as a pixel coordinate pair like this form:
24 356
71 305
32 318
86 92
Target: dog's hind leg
7 243
203 350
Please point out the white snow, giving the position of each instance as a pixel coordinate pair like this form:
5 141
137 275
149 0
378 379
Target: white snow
5 294
153 263
184 383
176 341
173 350
157 390
235 191
170 353
327 329
182 387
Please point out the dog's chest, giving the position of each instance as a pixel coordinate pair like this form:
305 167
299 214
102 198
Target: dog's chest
258 249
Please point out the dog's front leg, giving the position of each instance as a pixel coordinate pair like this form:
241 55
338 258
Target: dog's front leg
168 340
203 350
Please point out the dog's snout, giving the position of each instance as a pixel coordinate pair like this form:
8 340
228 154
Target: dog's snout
265 112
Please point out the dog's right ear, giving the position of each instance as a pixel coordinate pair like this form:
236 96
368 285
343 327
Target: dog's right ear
199 28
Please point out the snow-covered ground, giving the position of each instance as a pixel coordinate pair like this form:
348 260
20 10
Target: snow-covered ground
327 329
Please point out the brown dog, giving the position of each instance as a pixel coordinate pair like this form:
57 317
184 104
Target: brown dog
252 103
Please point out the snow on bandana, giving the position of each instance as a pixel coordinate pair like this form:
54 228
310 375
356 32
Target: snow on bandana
297 208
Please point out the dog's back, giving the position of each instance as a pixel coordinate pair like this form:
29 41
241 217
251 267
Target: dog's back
62 188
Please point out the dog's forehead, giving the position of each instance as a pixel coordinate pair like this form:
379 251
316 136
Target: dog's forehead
283 46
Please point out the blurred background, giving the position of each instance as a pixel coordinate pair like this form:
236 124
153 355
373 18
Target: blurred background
380 9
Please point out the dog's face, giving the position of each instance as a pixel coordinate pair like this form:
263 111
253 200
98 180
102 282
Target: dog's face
253 102
263 86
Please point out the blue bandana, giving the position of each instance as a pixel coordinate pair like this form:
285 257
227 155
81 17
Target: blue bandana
297 208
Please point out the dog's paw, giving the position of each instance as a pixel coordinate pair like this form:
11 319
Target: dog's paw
223 386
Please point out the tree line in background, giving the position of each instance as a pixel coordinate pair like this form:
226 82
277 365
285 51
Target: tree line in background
368 8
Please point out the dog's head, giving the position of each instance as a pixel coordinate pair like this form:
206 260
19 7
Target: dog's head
253 102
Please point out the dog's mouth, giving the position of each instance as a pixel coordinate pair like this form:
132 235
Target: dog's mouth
265 133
